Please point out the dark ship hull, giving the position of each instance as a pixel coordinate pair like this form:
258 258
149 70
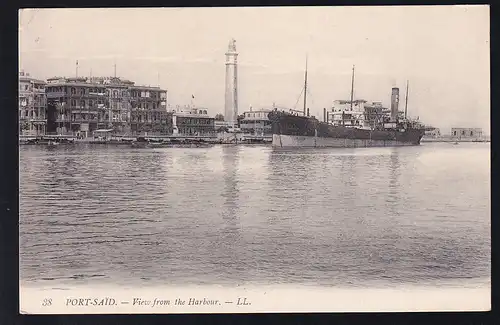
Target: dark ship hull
292 131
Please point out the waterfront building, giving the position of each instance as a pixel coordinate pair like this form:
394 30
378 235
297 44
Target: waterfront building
467 132
256 122
74 105
115 113
32 105
220 125
192 121
79 106
345 113
432 132
148 111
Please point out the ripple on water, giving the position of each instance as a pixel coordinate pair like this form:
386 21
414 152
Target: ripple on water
253 215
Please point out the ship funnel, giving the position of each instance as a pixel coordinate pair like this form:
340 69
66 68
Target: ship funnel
308 111
324 115
394 103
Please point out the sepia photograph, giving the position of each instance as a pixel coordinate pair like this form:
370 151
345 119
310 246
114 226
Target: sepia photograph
254 159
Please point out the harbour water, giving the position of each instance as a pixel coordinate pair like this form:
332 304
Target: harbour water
251 215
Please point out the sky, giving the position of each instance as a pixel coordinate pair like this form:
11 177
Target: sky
444 52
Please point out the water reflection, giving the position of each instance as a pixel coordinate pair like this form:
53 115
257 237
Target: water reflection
230 213
394 173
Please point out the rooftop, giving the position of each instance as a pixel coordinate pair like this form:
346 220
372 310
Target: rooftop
99 81
24 76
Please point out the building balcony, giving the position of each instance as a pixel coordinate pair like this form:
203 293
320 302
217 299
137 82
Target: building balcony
77 121
78 110
56 94
36 119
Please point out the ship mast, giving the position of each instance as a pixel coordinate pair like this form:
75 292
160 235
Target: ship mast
305 89
352 94
352 86
406 100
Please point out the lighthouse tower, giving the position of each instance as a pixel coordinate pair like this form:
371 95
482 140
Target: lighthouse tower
231 99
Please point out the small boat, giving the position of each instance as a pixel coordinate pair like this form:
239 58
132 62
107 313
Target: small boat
53 143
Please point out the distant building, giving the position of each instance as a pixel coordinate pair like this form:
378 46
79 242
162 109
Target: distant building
375 114
32 105
432 132
256 122
192 121
467 132
345 113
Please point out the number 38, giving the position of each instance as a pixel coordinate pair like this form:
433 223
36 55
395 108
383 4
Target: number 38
47 302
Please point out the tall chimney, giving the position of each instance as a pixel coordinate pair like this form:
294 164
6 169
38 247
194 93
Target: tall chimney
308 111
324 115
394 103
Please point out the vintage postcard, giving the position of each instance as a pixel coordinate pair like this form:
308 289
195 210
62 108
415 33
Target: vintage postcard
252 160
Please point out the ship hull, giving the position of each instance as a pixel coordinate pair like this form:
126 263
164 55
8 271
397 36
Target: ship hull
292 131
294 141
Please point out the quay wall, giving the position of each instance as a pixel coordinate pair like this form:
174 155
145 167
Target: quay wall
446 138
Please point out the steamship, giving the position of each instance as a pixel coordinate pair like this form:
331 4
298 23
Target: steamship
350 123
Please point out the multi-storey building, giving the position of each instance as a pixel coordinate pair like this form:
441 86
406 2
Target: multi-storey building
75 105
115 113
82 105
192 121
148 111
256 122
32 105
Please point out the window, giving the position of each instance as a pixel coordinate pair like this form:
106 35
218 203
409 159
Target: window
82 104
463 132
73 91
73 102
454 132
471 133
